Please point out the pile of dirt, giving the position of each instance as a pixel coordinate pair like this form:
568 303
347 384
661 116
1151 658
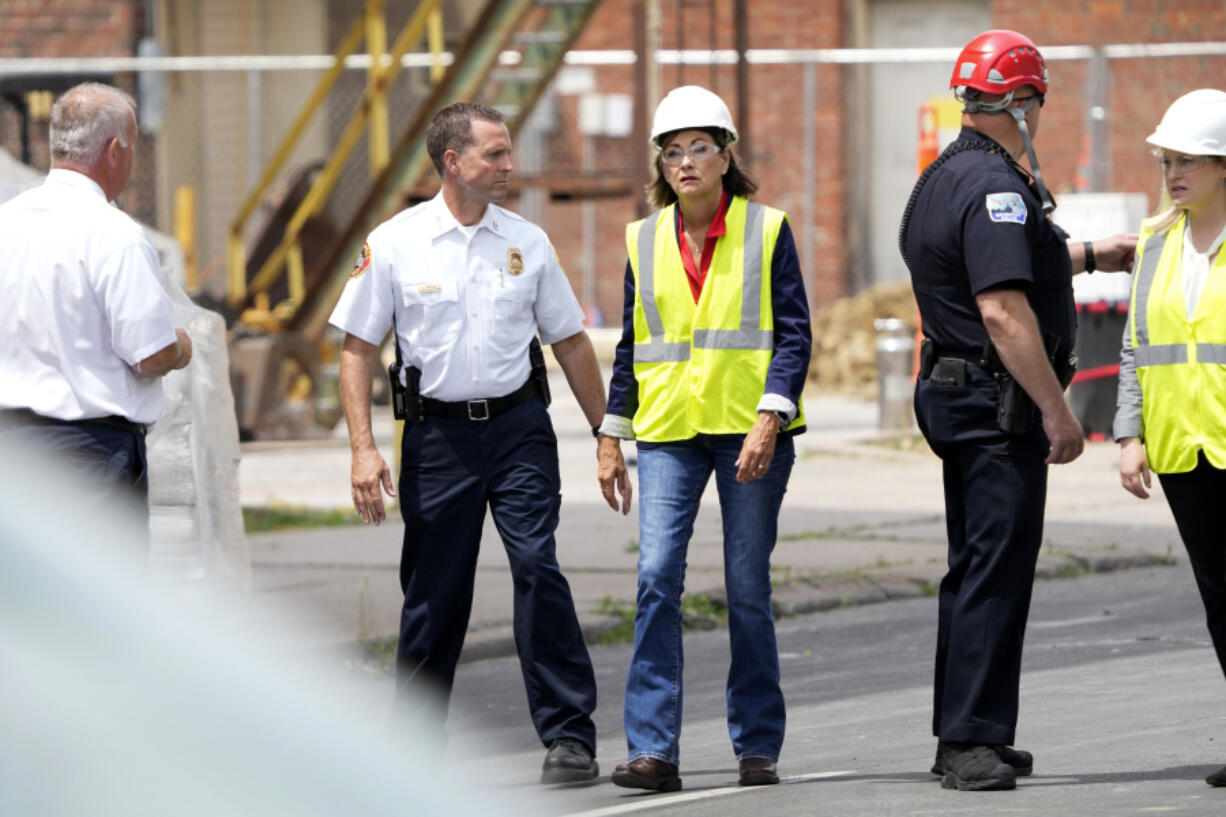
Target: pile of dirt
845 342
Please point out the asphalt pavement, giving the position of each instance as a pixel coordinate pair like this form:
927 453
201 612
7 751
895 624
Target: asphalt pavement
862 522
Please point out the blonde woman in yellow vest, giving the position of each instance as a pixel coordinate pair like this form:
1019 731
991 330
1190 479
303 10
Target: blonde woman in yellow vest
707 379
1172 395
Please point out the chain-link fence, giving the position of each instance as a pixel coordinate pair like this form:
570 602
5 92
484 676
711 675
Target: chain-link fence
832 139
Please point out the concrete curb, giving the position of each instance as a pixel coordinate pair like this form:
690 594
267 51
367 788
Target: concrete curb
804 598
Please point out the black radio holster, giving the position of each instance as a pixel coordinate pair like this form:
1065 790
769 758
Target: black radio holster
406 398
539 375
1016 412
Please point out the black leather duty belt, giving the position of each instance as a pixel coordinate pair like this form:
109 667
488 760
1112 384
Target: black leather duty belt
484 409
25 417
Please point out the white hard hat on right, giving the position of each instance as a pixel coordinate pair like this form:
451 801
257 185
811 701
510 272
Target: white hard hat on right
691 107
1195 124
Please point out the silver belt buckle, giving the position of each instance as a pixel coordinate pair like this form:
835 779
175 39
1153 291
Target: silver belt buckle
483 414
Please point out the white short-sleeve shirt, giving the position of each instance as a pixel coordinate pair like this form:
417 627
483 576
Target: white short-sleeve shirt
82 290
467 300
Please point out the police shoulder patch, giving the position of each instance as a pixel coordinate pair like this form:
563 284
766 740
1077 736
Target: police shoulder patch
1007 207
363 263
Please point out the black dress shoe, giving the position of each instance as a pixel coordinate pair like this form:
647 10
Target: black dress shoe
1218 778
758 771
1021 760
569 761
975 767
647 773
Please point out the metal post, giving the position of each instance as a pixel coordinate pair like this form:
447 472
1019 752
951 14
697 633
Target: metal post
642 109
255 157
1098 79
809 107
376 44
589 232
185 233
741 26
434 36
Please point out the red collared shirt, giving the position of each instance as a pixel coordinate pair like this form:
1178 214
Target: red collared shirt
695 275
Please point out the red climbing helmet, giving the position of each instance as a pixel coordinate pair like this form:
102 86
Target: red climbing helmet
997 62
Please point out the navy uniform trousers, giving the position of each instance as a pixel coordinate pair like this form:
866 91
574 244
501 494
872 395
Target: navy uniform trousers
995 490
108 455
451 469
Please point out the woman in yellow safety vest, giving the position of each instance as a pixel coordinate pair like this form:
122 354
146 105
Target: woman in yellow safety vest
707 379
1172 394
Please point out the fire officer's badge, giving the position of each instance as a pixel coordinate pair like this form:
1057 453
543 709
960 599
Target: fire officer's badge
515 261
363 263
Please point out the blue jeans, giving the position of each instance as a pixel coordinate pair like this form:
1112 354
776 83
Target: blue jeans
672 477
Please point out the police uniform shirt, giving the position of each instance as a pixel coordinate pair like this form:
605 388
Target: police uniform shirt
467 300
976 226
82 290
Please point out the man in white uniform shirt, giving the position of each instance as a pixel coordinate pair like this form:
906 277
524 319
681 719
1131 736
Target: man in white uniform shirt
89 331
467 285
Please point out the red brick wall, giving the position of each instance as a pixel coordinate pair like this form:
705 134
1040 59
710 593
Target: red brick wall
1140 89
75 28
64 28
774 132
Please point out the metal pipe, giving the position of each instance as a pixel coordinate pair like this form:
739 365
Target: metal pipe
741 26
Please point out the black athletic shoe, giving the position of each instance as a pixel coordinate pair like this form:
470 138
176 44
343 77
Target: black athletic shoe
975 767
1021 760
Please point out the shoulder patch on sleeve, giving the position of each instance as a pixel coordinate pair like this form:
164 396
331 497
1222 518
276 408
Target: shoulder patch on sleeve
1007 207
363 263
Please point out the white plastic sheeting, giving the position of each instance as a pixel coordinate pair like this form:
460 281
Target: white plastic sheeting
196 519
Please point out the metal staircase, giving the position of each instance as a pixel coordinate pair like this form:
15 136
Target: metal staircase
540 32
509 55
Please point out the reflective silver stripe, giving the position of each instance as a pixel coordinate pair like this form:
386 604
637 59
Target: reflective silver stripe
655 350
661 352
1145 280
749 336
1164 354
1211 353
733 339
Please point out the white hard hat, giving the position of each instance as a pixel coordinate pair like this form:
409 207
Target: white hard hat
691 106
1194 124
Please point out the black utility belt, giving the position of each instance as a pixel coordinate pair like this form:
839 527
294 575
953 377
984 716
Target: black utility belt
26 417
483 409
950 364
1016 412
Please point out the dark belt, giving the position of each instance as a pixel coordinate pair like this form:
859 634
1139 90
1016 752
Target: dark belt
931 354
483 409
25 417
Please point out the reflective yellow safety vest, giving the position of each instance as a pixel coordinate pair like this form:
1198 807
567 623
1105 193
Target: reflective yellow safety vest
1181 361
701 367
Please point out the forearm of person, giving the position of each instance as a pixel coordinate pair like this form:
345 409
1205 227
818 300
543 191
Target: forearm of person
578 361
1129 399
167 359
789 365
1014 331
623 386
357 364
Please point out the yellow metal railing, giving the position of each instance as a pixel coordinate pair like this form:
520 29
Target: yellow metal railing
287 255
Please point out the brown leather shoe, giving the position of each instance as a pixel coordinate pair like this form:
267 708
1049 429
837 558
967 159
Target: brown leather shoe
758 771
647 773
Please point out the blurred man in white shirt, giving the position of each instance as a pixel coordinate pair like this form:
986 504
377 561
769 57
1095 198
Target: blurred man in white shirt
89 331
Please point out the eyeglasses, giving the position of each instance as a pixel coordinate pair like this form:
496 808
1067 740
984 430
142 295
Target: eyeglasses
1182 164
675 155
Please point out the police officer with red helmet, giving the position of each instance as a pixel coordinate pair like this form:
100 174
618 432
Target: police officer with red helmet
993 280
